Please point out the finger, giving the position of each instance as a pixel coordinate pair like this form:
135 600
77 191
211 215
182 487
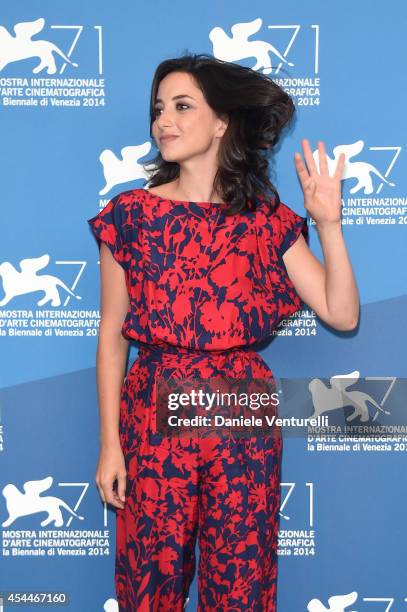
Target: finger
323 161
312 168
340 166
113 499
301 169
109 494
121 488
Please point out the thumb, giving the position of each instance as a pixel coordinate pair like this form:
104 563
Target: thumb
121 487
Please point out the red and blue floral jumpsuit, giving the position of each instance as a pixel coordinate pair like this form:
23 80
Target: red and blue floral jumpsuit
203 288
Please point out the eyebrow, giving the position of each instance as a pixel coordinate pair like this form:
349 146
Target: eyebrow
176 97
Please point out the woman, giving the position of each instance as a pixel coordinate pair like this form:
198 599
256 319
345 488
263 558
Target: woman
198 269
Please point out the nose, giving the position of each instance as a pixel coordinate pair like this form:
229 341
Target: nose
164 119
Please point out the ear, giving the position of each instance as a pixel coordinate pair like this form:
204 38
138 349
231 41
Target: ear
223 124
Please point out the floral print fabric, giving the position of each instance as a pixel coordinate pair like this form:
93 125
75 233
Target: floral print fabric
204 288
197 278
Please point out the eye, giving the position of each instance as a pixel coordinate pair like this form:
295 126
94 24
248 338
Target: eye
157 110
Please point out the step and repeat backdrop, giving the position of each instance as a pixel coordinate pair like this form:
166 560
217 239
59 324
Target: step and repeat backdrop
74 91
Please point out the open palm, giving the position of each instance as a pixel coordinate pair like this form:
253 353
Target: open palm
322 192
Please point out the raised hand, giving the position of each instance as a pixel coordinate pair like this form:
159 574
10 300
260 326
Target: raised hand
322 192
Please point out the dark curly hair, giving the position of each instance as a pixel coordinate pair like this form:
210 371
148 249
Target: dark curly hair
257 109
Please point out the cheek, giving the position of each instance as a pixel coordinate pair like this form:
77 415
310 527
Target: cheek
197 130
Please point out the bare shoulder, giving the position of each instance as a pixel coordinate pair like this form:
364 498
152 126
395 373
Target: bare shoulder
165 190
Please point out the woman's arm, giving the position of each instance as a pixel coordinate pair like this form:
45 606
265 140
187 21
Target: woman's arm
111 359
330 289
112 349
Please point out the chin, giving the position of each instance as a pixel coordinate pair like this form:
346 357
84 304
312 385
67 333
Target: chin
169 158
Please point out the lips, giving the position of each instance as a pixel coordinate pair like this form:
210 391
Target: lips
165 138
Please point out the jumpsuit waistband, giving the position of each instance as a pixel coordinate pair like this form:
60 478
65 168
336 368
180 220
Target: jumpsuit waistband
234 360
147 350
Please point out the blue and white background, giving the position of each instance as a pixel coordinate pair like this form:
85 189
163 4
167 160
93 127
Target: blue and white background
74 90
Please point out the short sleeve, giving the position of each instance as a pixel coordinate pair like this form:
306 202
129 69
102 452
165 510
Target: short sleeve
108 227
281 229
291 225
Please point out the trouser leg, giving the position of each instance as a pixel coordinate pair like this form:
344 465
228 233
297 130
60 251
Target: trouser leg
239 502
156 531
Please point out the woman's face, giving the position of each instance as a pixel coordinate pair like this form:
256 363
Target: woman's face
182 111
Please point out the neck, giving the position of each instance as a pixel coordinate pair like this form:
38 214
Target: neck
197 188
